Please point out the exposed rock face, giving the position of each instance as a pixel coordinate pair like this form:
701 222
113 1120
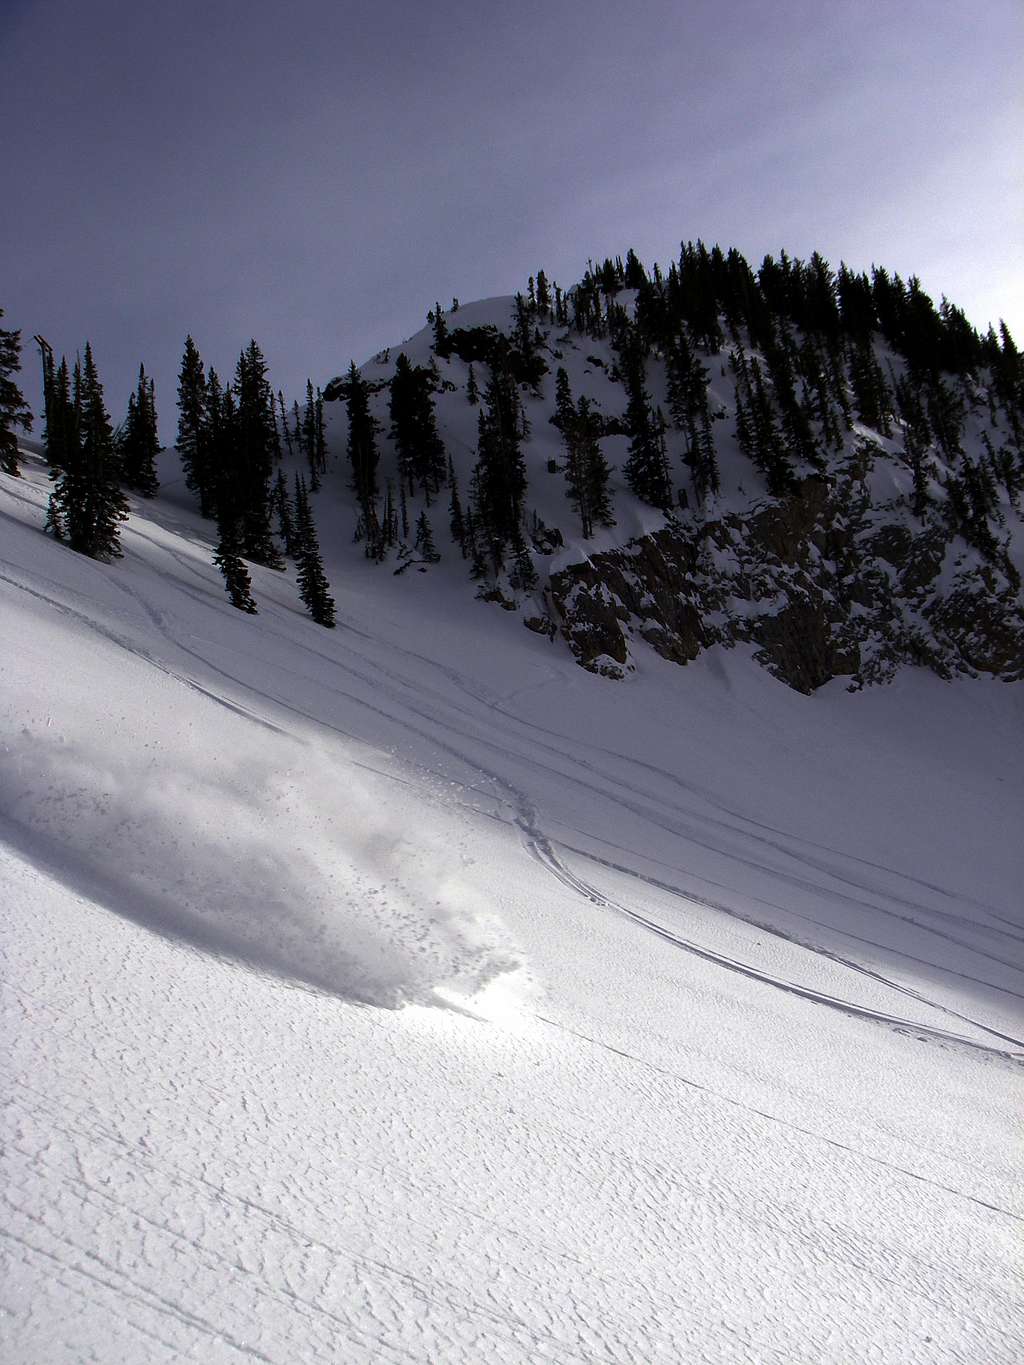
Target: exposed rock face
824 582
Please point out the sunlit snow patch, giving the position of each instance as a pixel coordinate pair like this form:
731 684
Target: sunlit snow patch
504 1000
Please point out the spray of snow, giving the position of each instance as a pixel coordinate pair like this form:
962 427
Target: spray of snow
295 869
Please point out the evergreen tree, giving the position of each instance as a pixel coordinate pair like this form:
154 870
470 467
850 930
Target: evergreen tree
646 468
800 441
60 438
456 520
543 294
285 426
14 411
688 404
219 436
403 510
228 558
703 459
200 475
313 437
474 548
255 449
586 470
499 477
320 432
424 542
87 504
769 448
523 575
281 503
871 396
390 522
298 436
917 438
634 275
138 442
362 438
421 454
564 408
313 586
472 392
594 468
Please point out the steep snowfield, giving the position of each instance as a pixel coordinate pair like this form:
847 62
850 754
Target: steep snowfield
405 993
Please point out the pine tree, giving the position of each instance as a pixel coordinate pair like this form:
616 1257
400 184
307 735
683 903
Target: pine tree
313 438
403 510
138 443
523 575
61 438
421 454
499 477
14 411
228 558
594 470
390 522
564 409
218 444
768 446
871 395
200 476
320 432
60 435
297 430
586 470
634 275
87 504
472 392
543 294
704 460
646 468
456 520
313 586
255 449
424 542
362 439
285 427
281 503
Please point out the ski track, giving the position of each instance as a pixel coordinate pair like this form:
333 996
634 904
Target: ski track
273 1295
524 813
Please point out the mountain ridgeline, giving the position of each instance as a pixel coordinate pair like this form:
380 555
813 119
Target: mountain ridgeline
822 465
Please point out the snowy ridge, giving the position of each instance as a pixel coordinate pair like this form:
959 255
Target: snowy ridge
710 1031
842 575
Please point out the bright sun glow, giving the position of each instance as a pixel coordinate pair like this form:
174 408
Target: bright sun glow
505 1000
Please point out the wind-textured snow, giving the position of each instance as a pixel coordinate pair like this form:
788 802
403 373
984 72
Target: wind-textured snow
405 993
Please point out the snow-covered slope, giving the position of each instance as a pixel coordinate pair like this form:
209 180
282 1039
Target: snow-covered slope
853 571
709 1037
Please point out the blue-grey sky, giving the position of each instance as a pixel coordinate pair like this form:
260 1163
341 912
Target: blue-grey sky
316 173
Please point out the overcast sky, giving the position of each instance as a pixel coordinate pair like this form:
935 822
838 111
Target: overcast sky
316 173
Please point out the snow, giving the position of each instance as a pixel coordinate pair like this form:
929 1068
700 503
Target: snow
406 993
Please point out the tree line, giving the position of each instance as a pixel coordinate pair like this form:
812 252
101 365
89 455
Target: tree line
230 438
811 353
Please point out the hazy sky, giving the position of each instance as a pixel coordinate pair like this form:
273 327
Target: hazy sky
316 173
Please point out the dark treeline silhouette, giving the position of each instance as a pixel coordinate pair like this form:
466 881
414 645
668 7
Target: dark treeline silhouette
818 360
